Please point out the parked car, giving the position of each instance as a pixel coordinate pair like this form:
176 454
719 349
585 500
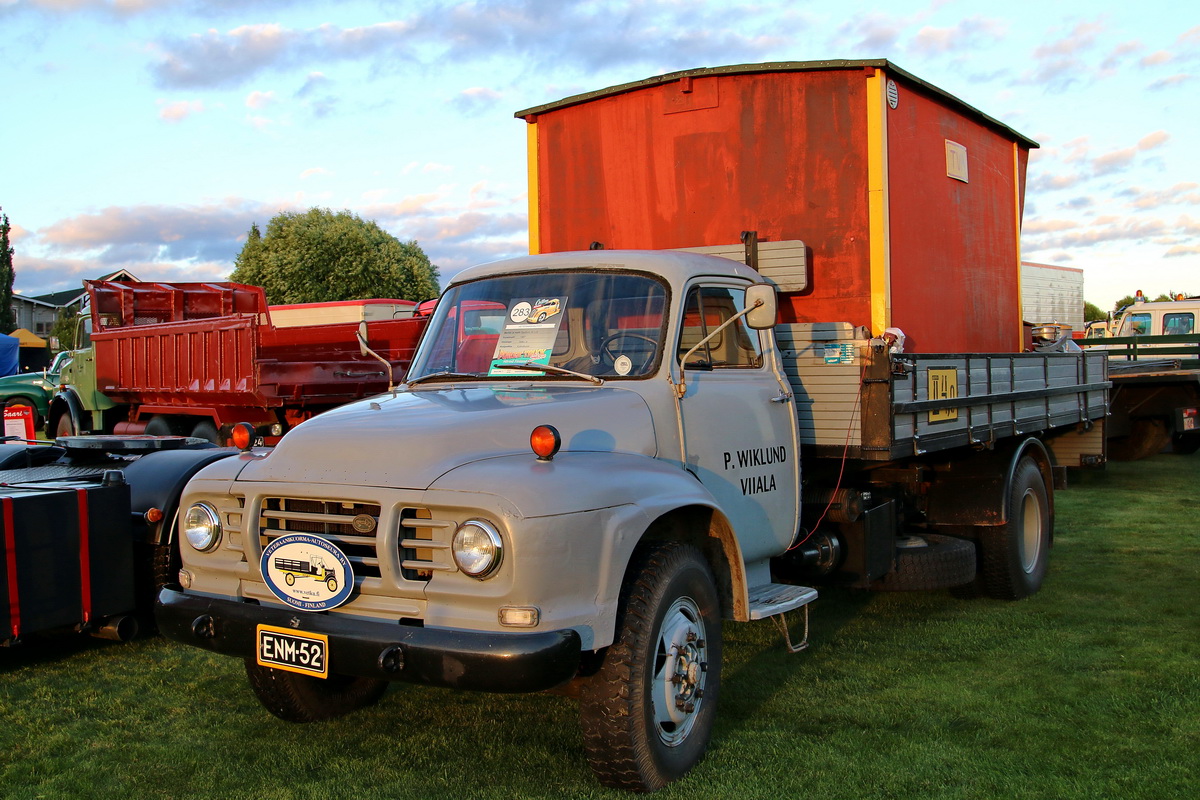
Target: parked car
33 389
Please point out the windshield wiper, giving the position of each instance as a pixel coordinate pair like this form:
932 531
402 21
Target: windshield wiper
556 371
443 374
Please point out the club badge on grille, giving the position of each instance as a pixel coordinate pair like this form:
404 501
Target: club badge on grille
307 572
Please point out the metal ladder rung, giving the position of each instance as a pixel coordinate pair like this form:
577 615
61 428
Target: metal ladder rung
781 623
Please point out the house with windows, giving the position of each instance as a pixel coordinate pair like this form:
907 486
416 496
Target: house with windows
37 314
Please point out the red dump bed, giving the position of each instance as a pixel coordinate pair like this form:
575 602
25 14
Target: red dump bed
216 344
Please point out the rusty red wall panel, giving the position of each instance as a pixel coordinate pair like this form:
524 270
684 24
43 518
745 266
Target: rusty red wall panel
780 153
955 266
697 159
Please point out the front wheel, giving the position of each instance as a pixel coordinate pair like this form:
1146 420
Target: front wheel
63 426
1013 556
647 714
301 698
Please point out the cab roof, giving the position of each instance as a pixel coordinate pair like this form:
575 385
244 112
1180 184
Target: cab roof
676 267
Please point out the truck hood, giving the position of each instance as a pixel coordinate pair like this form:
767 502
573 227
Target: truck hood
410 439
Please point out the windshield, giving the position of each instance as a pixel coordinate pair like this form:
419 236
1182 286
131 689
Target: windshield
608 325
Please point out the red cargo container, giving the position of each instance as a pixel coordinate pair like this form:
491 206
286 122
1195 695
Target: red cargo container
210 352
908 199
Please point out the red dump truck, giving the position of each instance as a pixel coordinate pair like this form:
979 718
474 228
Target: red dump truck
196 358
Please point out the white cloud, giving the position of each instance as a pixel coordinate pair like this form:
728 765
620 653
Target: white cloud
1156 58
178 110
259 100
1171 81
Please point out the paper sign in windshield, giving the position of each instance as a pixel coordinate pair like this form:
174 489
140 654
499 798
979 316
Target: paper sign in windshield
530 330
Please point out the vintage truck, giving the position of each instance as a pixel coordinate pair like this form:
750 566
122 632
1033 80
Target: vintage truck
576 503
194 359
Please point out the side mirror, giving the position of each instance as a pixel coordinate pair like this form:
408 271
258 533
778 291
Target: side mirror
760 300
362 340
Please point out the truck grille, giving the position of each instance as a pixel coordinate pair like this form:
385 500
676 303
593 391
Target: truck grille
421 553
329 519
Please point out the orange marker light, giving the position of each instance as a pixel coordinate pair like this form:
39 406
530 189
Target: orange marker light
242 436
545 442
153 514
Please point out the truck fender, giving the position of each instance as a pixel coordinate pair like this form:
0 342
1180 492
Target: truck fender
156 480
65 403
973 489
670 503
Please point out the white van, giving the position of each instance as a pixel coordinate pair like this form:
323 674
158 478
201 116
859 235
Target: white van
1164 318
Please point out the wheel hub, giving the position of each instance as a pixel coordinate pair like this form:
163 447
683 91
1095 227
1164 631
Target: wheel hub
680 674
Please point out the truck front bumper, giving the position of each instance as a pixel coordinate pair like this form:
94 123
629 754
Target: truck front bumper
489 662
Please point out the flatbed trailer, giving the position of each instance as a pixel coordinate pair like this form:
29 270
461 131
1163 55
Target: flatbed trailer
1155 395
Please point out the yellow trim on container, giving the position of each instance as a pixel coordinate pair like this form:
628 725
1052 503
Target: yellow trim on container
877 203
531 154
1017 216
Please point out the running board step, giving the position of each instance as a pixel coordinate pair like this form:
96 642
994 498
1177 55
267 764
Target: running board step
774 600
771 599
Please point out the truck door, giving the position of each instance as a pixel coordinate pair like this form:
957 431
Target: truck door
739 423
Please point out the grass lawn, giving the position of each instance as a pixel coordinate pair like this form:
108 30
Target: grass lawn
1090 689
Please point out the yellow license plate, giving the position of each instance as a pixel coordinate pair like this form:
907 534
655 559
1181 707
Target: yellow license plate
292 650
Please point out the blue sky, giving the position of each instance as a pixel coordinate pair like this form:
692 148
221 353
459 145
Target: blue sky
150 134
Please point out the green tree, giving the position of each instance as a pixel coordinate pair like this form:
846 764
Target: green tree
1092 312
64 327
8 319
320 255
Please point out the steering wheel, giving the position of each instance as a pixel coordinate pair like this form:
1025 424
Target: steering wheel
606 347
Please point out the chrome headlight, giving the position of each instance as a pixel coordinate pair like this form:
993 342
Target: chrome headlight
477 548
202 526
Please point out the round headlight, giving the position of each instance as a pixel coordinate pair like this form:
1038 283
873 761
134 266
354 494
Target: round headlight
202 526
477 548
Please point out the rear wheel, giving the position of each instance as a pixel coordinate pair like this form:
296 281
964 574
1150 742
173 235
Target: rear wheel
1013 556
1185 443
159 426
207 431
647 715
301 698
1147 436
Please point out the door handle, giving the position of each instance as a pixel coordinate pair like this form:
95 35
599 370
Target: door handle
786 397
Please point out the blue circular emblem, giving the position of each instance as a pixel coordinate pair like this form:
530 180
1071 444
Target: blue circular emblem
307 572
